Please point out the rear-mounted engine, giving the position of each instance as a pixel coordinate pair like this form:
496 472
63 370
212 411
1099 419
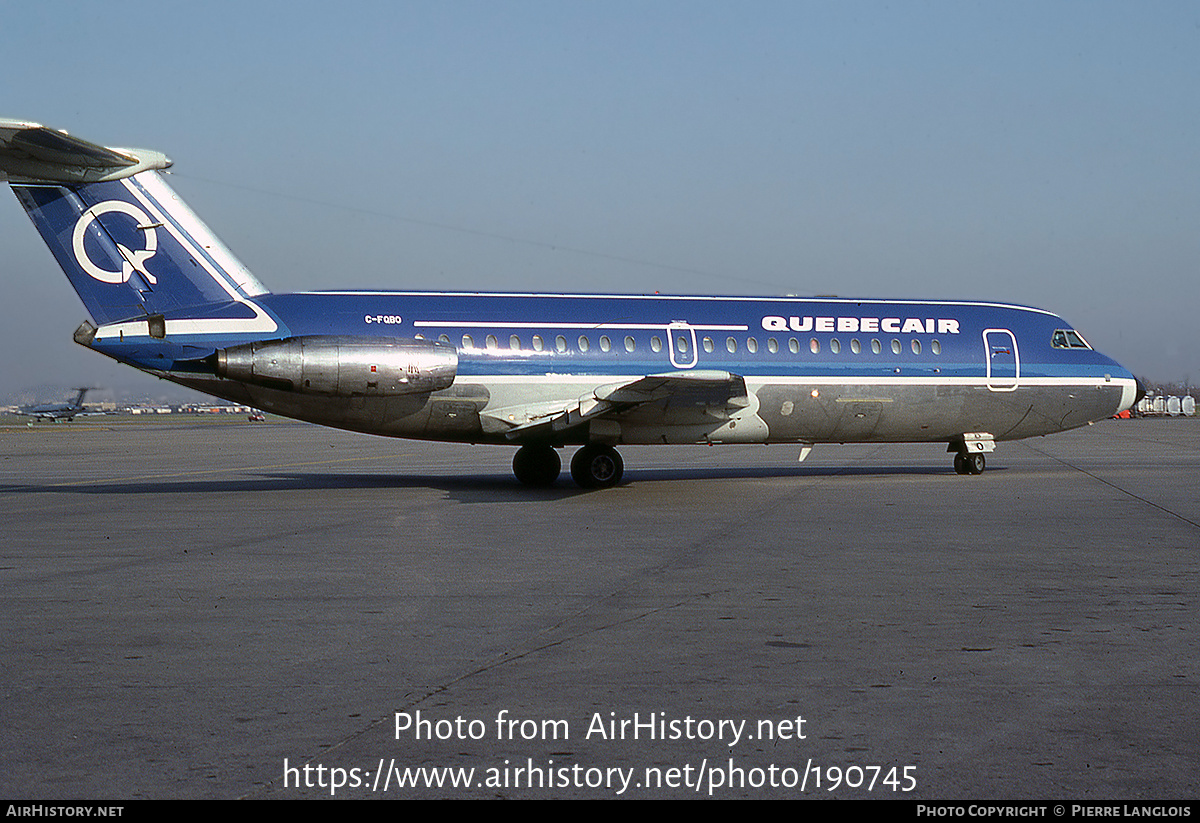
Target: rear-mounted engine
342 366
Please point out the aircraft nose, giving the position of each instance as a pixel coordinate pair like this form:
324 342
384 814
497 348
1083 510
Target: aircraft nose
1141 391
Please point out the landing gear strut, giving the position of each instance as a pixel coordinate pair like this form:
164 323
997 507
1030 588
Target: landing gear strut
536 465
597 466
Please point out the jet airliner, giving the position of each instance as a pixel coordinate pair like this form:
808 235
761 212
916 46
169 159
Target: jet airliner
58 411
541 372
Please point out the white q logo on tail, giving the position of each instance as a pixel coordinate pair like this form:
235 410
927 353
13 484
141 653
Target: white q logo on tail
131 260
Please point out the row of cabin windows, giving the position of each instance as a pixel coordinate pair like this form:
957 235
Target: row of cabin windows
683 344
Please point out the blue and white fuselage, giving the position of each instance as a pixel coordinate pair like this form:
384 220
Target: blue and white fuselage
544 371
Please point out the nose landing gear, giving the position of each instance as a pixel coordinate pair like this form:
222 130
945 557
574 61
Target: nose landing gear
965 463
969 450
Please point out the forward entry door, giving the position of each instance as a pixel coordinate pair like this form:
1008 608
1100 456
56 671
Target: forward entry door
1003 359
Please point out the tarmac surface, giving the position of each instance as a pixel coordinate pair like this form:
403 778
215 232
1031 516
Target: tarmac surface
230 610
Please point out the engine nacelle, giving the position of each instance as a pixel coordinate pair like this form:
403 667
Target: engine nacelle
342 366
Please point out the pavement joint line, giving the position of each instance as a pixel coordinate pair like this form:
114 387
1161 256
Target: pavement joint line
1112 485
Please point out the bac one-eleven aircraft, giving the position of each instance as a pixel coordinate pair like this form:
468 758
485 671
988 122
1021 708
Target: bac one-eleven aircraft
542 371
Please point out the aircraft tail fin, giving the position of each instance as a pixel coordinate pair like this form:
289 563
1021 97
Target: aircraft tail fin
81 393
128 244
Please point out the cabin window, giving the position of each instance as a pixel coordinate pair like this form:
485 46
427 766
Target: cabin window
752 345
935 347
491 342
793 345
467 342
514 343
681 344
560 344
916 346
772 345
443 338
605 343
708 345
656 343
855 346
731 345
835 346
876 347
895 346
584 343
630 344
814 346
538 345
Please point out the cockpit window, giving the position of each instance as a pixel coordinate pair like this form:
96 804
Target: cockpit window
1068 339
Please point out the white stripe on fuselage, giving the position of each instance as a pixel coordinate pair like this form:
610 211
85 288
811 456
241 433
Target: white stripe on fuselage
471 324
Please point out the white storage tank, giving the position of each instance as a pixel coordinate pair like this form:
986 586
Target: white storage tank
1188 406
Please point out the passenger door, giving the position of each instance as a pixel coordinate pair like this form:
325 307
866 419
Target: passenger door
1003 359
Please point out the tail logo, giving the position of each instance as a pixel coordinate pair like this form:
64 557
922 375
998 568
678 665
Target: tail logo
131 259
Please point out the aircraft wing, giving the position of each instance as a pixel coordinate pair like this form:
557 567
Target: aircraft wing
679 398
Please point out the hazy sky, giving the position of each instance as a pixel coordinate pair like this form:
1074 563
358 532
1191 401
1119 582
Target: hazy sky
1038 153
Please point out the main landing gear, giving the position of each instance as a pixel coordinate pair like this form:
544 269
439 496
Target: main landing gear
537 465
595 466
969 463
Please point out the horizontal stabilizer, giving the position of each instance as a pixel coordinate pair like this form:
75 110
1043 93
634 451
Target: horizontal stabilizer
32 153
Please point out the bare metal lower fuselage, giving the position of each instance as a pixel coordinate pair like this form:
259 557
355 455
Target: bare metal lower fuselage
792 412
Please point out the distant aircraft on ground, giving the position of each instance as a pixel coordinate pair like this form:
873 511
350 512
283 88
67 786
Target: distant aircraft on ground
542 371
58 411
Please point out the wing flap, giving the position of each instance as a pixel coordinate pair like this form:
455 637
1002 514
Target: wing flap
681 395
